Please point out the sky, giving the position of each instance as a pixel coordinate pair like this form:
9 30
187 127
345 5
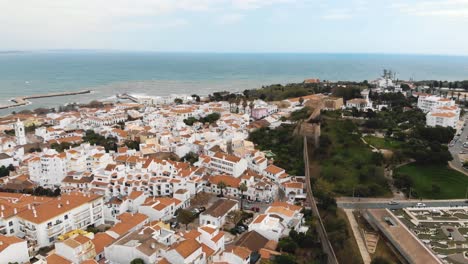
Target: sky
328 26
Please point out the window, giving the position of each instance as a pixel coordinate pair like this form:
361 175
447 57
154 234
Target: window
51 239
65 217
10 223
12 231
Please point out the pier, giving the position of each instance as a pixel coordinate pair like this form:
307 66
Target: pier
23 100
126 96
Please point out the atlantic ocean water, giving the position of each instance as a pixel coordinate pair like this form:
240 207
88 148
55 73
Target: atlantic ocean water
150 73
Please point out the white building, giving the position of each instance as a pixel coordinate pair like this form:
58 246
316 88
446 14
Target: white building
49 168
360 104
20 133
444 119
234 255
41 223
228 164
217 213
430 103
13 250
77 248
268 226
439 111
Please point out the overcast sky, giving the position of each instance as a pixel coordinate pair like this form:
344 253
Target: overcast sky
356 26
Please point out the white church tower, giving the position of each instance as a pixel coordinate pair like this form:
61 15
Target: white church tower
19 133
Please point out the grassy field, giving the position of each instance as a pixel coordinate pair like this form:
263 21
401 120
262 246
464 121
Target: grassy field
450 184
382 143
348 164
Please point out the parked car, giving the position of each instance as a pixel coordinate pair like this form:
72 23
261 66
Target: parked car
175 224
420 205
392 203
202 209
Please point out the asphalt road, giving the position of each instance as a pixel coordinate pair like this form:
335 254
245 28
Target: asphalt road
458 146
400 204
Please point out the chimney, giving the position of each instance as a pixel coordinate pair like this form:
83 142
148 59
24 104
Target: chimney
68 202
2 207
35 214
15 211
59 205
1 214
29 206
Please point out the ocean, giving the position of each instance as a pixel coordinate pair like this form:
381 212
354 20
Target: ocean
109 73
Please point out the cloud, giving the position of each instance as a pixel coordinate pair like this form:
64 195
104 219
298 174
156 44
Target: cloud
444 9
338 14
230 18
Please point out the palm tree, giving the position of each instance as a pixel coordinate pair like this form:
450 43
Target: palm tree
237 104
251 105
231 101
301 100
244 104
452 92
464 98
242 189
458 96
221 185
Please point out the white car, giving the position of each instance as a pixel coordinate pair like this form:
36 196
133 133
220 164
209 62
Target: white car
392 203
420 205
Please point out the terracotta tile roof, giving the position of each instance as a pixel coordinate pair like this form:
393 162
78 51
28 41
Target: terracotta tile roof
220 207
56 207
208 229
186 247
259 219
228 180
56 259
252 240
241 252
192 234
225 156
101 240
218 236
208 251
274 169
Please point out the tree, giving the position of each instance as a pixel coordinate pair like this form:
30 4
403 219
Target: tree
242 189
178 101
197 98
380 260
287 245
284 259
185 217
251 105
191 157
244 105
137 261
301 100
235 216
221 185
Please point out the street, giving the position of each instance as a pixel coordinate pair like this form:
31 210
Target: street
371 203
458 146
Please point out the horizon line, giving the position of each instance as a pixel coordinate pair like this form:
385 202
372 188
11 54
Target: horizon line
12 51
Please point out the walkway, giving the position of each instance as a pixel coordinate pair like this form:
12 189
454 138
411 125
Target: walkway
366 258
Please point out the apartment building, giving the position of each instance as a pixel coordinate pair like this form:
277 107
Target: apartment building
42 222
48 168
229 164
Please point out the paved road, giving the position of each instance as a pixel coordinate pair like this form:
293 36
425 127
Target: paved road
350 203
457 147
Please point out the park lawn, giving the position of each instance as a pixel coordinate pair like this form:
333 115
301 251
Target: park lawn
349 161
452 184
383 143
